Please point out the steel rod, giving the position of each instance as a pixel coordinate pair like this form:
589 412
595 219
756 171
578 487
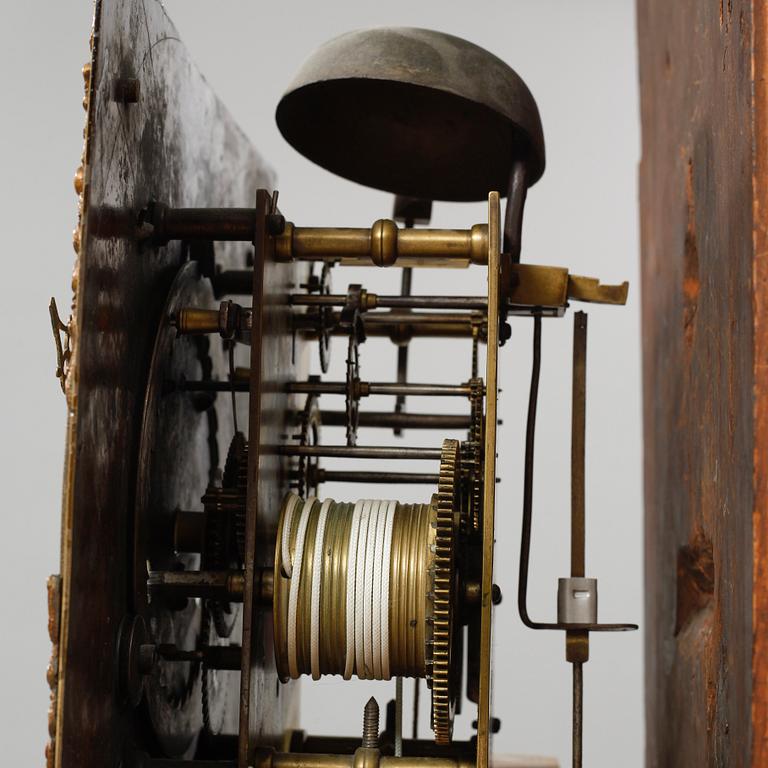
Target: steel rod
415 723
401 325
427 390
578 710
401 420
214 656
398 478
317 387
336 388
416 318
398 717
530 435
359 452
474 303
379 388
406 282
578 430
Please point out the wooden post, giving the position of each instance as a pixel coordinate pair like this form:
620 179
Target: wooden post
704 208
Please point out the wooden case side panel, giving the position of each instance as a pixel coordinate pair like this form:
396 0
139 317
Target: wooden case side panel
760 308
697 259
176 143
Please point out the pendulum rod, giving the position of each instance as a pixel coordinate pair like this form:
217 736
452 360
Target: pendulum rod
577 641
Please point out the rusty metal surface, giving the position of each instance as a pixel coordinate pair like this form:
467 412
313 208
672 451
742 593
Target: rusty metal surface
696 189
174 142
391 108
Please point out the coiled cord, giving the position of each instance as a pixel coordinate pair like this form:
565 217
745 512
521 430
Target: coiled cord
353 588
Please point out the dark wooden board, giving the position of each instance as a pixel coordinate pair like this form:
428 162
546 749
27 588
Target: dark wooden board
176 144
703 200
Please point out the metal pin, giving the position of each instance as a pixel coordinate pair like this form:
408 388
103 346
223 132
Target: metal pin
398 717
371 725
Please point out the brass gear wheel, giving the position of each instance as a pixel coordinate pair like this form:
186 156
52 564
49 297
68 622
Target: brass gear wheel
309 434
352 399
325 318
474 458
449 505
224 545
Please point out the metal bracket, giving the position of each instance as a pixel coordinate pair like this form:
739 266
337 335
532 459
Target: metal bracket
546 287
63 349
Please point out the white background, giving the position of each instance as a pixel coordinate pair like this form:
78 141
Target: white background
579 61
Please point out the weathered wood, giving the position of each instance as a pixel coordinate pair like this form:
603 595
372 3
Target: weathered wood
703 189
760 402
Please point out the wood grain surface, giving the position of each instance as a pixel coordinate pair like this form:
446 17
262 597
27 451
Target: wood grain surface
703 183
175 143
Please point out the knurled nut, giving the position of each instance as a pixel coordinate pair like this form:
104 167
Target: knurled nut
226 320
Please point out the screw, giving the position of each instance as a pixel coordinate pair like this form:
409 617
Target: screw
371 725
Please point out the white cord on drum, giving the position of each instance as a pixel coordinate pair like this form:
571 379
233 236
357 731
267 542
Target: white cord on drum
369 552
317 573
384 604
362 543
378 567
370 547
290 508
354 535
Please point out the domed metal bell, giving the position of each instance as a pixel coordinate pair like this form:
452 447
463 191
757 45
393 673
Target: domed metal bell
414 112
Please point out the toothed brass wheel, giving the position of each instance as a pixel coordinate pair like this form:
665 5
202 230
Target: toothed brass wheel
444 591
